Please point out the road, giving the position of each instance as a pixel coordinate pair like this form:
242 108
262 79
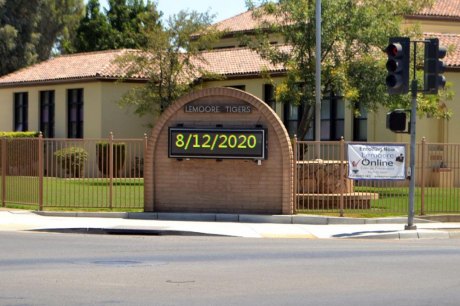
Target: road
79 269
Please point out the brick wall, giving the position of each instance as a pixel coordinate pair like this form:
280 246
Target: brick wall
226 186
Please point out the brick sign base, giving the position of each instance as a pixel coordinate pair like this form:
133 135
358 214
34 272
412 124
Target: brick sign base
219 185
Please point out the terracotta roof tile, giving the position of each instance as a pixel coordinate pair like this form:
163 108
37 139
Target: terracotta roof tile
245 22
242 23
239 61
442 8
95 65
452 59
227 62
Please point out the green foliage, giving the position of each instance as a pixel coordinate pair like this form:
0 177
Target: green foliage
103 157
93 32
171 61
29 29
59 20
72 159
122 26
20 150
354 36
11 135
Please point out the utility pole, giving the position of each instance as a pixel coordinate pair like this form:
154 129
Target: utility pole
318 79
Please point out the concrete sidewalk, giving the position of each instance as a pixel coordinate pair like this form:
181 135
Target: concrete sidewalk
250 226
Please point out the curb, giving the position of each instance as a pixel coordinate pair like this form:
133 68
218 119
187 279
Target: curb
400 235
243 218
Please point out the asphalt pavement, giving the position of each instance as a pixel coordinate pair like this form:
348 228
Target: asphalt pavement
236 225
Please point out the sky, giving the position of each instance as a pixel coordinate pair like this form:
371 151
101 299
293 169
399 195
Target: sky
223 9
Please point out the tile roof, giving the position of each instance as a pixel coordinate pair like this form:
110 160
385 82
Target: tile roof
80 66
238 62
452 59
441 9
245 22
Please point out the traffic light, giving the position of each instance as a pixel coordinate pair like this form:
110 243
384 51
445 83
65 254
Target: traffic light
398 52
396 121
433 67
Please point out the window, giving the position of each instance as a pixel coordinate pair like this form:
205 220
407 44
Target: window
360 125
47 113
291 118
332 119
269 95
75 113
21 105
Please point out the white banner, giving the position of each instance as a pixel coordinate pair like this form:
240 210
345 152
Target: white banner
376 161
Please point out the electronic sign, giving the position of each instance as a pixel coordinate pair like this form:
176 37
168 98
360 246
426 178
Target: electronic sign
218 143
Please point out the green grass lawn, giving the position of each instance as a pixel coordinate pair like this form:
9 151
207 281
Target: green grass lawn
68 194
128 195
394 201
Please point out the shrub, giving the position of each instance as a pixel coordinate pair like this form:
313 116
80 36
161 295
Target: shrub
72 160
103 157
22 152
18 134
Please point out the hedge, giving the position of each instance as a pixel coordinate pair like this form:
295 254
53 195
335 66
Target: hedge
18 134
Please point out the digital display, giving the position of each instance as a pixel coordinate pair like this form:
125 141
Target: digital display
217 143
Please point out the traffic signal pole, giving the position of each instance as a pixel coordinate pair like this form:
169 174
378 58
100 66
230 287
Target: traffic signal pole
397 81
413 117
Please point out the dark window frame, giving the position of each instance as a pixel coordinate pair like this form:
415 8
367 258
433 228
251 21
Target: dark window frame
47 113
21 111
333 120
75 110
269 96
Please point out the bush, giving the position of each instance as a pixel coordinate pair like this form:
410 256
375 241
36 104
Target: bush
18 134
22 152
103 157
72 160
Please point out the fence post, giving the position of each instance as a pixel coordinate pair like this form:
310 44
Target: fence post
296 179
111 170
146 142
422 189
4 166
40 171
342 174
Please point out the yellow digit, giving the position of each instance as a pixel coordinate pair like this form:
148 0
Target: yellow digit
197 143
223 143
252 141
180 140
243 139
232 141
207 140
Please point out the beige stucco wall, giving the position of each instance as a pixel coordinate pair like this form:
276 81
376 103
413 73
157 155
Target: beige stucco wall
122 122
434 26
254 86
6 113
233 42
101 111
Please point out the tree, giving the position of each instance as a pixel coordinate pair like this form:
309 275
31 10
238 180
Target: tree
171 61
18 20
59 20
121 26
354 36
30 29
93 32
